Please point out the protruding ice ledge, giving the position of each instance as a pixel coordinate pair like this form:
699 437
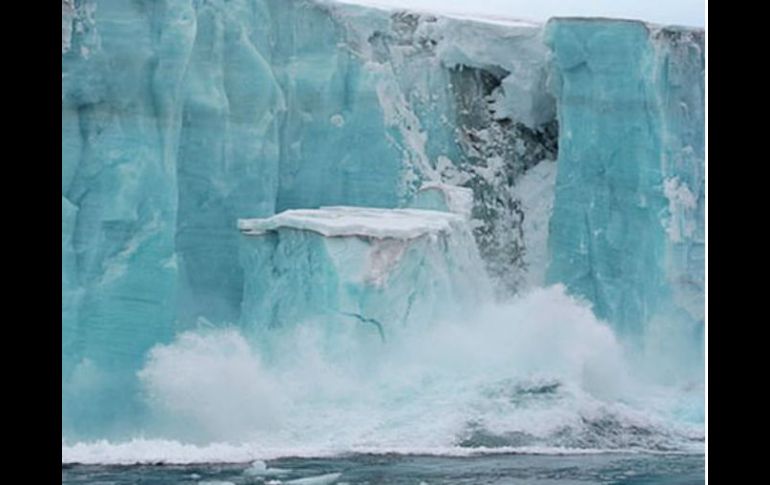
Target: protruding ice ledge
377 270
357 221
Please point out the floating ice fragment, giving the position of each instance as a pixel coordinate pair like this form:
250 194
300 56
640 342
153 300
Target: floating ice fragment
259 469
392 268
316 480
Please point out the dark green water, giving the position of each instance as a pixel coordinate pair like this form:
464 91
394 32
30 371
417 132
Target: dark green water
414 470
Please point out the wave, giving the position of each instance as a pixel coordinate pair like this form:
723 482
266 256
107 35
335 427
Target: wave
169 452
538 375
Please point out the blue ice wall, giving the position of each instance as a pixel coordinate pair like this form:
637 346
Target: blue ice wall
70 287
180 117
121 183
335 151
627 227
373 282
229 114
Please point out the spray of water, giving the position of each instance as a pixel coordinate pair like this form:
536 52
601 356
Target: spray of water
539 373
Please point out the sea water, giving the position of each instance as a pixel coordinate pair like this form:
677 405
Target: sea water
586 469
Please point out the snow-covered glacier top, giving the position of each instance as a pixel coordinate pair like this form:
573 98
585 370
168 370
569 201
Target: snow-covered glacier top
524 11
357 221
478 16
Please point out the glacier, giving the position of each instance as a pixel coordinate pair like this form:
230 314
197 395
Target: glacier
628 226
279 168
383 271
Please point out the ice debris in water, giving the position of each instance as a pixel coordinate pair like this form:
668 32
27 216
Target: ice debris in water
259 469
325 479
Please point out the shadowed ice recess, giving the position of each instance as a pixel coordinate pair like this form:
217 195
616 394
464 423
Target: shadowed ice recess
303 228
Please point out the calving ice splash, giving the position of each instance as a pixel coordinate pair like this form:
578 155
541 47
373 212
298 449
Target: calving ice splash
303 228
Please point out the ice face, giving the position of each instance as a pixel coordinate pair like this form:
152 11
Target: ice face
627 228
118 174
70 290
181 117
377 271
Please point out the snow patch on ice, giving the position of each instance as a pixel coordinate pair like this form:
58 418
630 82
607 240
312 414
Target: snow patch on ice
486 18
357 221
67 17
337 120
535 190
681 205
444 197
383 257
458 200
398 114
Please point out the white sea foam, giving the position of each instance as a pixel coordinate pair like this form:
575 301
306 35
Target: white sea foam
143 451
538 375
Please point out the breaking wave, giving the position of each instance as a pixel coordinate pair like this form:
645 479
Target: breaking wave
537 375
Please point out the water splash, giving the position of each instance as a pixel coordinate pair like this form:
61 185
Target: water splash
540 374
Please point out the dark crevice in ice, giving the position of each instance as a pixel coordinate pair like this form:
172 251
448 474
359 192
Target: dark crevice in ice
497 151
372 321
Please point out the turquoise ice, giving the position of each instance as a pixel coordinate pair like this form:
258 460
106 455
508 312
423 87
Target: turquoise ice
370 272
182 117
627 230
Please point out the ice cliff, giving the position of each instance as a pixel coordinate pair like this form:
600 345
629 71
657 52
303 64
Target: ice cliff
627 230
180 117
382 271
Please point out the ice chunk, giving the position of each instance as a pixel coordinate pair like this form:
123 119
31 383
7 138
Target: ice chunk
444 197
259 469
535 191
67 16
375 269
317 480
356 221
